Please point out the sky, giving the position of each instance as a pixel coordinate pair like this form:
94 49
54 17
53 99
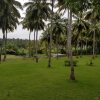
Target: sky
20 32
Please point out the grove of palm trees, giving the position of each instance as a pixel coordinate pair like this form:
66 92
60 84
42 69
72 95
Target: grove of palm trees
62 63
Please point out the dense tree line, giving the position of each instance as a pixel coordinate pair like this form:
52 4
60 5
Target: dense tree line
19 47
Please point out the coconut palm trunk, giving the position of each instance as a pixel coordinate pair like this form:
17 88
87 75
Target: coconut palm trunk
0 53
77 48
81 46
29 44
86 46
72 75
49 55
67 46
46 49
57 46
36 46
94 44
50 44
4 46
0 50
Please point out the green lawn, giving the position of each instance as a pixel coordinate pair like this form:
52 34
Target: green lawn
23 79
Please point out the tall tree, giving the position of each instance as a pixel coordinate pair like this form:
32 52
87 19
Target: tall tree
93 16
50 45
9 19
58 29
27 23
72 6
80 26
38 10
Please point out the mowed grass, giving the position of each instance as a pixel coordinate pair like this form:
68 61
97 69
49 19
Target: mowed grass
23 79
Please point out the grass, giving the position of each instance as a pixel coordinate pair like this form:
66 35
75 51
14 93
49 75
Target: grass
23 79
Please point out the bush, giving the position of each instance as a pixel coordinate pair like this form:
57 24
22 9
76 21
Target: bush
21 52
11 52
62 51
90 62
67 63
40 51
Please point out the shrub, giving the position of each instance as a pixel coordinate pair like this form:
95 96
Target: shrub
67 63
21 52
62 51
11 52
40 51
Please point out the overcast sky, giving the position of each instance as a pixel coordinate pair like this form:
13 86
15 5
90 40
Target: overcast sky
20 32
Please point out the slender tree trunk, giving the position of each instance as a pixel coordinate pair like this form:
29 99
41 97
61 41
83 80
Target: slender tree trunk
49 53
34 45
75 53
57 45
0 53
67 50
50 45
66 47
57 50
77 48
5 55
1 50
72 76
29 44
86 47
46 46
94 45
37 46
81 47
4 46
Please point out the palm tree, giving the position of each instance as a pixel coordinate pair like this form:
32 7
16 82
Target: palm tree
2 6
80 26
67 4
94 36
38 10
45 38
50 45
39 25
93 16
72 6
58 29
9 19
27 23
